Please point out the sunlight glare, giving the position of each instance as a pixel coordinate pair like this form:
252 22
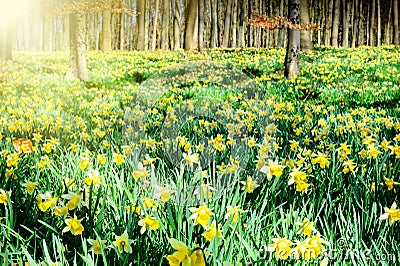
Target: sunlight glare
10 10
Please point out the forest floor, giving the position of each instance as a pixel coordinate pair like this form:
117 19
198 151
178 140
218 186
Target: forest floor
187 158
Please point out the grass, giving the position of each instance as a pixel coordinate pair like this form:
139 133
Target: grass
322 147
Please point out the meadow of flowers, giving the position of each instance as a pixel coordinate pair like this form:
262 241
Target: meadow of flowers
307 172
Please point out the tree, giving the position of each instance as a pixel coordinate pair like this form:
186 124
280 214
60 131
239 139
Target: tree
292 58
106 31
305 37
5 42
154 35
335 23
191 24
201 25
177 25
225 40
77 67
165 25
141 9
395 22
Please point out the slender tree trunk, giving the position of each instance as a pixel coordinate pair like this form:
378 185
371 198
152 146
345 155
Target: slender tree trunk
165 23
214 23
141 9
154 35
5 41
372 24
379 35
146 26
328 22
77 68
335 23
242 23
234 24
201 25
48 32
345 17
395 22
191 24
106 31
355 19
122 32
292 58
280 30
361 26
388 24
305 38
225 42
177 27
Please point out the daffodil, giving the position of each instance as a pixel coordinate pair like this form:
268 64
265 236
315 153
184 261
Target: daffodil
148 223
249 185
393 214
119 158
30 186
142 172
307 227
163 193
84 162
390 183
281 247
74 200
185 256
212 231
96 245
200 215
191 158
123 243
4 197
74 226
233 211
93 178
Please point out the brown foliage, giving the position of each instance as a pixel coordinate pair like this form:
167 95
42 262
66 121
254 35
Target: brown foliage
273 23
114 6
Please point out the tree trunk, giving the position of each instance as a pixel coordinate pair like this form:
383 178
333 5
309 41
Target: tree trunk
345 16
225 41
335 23
146 26
387 27
292 62
234 24
280 30
122 32
372 24
155 20
65 35
354 18
328 22
165 27
201 25
395 22
77 68
305 38
177 27
379 35
106 31
242 24
5 41
141 9
48 32
361 26
191 24
214 24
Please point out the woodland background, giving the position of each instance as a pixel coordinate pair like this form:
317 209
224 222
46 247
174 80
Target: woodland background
192 24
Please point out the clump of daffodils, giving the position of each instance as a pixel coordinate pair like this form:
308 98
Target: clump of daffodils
309 248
